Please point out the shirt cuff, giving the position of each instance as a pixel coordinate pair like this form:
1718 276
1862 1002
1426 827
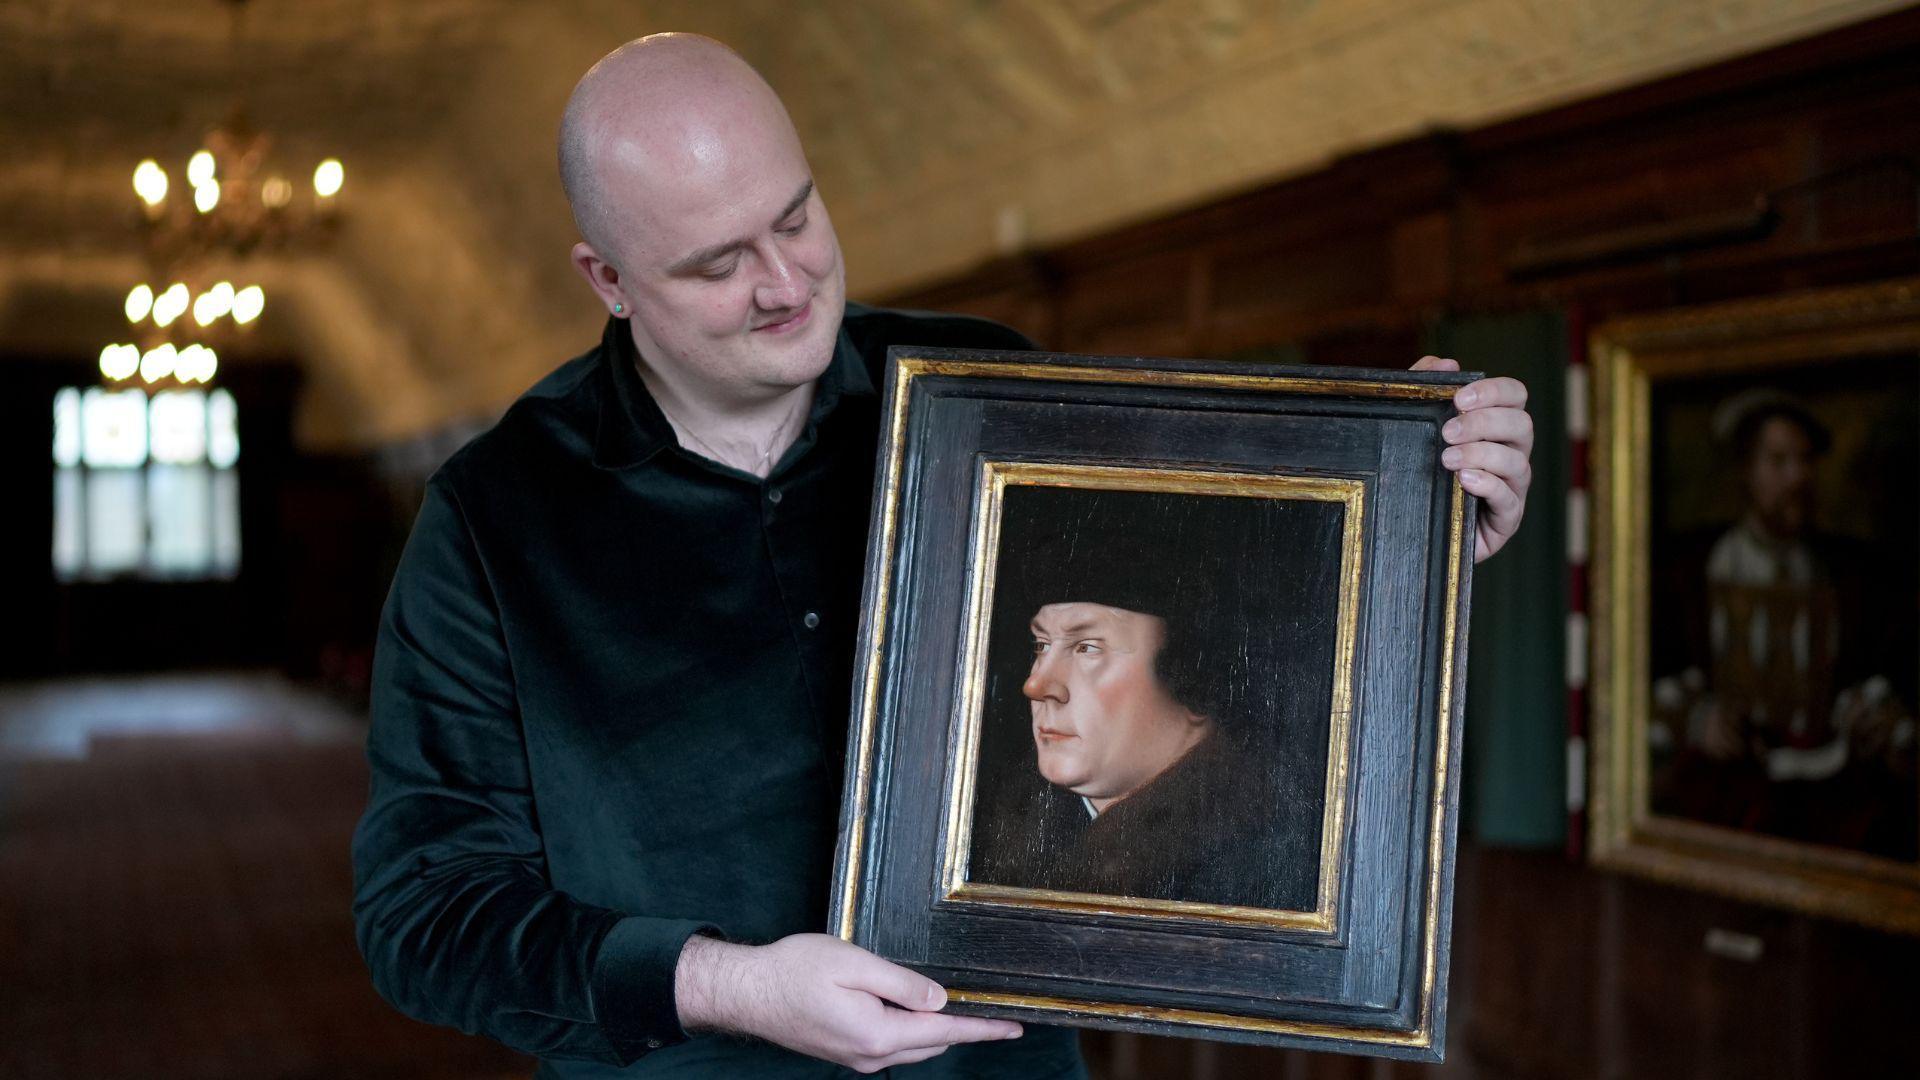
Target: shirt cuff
633 983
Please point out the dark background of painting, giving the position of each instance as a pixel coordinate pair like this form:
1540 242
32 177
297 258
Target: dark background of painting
1258 577
1864 508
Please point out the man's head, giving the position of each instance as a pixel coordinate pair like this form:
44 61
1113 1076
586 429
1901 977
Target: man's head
1777 442
1104 720
699 220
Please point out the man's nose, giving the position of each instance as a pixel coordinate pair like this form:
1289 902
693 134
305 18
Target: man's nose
785 284
1041 685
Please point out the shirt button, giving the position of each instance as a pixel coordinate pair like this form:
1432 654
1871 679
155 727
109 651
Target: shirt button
812 620
653 1044
773 496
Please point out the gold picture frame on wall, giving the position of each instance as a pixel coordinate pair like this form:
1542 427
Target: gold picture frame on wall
1756 635
1159 703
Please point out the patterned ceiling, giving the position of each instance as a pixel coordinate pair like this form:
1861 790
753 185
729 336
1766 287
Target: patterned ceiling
943 132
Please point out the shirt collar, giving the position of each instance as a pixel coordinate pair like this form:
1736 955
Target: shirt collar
631 426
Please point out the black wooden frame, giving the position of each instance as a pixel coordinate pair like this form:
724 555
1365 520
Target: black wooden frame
1372 979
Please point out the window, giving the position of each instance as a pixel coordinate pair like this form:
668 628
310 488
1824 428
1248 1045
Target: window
144 486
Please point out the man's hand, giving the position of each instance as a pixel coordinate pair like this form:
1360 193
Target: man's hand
824 998
1491 442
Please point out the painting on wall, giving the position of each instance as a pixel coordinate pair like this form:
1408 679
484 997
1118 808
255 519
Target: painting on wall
1758 635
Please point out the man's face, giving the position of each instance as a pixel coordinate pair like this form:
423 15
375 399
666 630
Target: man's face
731 262
1780 474
1103 724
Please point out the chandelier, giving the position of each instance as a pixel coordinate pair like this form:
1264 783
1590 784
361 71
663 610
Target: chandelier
236 201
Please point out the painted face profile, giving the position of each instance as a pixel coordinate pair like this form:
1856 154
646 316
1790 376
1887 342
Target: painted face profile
1104 724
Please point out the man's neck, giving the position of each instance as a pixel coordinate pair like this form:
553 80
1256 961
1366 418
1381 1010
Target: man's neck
749 434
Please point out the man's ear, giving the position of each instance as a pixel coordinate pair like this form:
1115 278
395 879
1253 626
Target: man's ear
603 278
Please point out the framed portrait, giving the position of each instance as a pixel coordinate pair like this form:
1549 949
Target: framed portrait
1757 600
1158 711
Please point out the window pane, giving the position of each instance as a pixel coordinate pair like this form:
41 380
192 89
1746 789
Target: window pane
114 427
68 555
116 522
226 523
177 427
223 434
180 520
66 427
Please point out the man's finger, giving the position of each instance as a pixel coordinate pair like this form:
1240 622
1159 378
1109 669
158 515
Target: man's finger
1435 363
1511 426
909 1030
1486 393
1503 503
890 982
1504 462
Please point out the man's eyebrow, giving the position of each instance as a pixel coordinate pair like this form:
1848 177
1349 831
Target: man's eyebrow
709 254
1065 631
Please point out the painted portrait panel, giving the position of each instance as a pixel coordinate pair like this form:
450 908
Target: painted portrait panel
1783 623
1157 719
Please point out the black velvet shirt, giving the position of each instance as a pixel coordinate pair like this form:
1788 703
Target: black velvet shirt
609 710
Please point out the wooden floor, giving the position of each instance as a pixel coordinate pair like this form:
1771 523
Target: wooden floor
174 894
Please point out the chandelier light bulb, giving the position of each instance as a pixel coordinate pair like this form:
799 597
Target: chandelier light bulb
327 178
276 193
194 364
200 168
219 299
158 363
119 362
203 312
206 196
139 303
248 303
170 305
150 182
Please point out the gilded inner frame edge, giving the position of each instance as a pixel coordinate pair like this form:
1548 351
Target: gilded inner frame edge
994 478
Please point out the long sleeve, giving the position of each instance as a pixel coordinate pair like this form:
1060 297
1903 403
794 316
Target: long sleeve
454 912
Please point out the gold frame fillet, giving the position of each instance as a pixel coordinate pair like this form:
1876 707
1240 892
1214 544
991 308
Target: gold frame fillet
995 478
1628 356
910 368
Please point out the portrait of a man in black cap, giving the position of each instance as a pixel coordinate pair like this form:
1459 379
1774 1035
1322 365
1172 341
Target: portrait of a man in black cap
1160 680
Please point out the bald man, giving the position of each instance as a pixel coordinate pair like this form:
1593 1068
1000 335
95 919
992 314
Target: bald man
613 673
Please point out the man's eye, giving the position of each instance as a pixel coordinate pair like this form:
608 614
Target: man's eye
719 273
1039 646
793 229
1087 648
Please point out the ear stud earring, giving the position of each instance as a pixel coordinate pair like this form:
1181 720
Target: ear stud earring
619 309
